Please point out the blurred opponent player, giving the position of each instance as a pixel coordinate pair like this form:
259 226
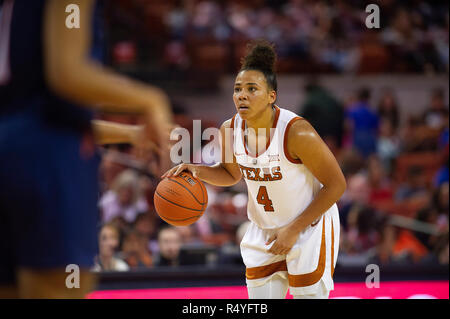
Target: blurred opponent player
48 167
293 184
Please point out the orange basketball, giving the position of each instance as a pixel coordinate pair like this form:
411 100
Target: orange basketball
180 200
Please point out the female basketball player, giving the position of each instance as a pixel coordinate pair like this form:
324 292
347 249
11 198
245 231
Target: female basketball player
293 186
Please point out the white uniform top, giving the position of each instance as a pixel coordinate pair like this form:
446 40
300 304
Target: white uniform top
279 187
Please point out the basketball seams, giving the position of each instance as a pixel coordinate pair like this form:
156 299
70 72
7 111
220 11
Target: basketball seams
172 180
180 220
175 207
203 193
197 210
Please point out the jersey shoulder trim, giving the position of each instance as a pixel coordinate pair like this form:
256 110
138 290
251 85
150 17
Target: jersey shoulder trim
232 121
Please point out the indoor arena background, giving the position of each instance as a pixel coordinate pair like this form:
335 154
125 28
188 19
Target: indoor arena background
394 214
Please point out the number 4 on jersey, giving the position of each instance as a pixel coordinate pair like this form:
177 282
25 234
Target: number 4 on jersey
263 199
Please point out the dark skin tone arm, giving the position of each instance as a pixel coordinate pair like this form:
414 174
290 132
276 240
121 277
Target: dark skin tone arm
304 143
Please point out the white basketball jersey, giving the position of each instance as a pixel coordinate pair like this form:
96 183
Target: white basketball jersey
279 187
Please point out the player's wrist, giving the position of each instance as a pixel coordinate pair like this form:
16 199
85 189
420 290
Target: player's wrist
197 170
297 226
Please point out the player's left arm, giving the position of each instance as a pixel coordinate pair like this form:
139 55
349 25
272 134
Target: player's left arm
305 144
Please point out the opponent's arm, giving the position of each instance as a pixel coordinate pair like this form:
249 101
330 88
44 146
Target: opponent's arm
304 143
107 132
71 72
73 75
225 173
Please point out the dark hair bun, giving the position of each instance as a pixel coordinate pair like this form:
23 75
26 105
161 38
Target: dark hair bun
260 56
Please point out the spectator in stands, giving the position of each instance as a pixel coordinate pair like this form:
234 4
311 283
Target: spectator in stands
397 246
108 245
442 249
221 216
135 250
146 224
363 124
441 205
383 253
408 245
428 131
442 175
414 186
437 214
439 254
388 109
361 233
373 55
427 215
189 235
379 182
109 169
169 241
443 140
442 199
355 197
436 114
124 200
388 145
316 36
404 41
325 113
351 162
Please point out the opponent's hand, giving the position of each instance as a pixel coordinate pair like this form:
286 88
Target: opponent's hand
284 239
157 129
143 145
175 171
164 142
146 150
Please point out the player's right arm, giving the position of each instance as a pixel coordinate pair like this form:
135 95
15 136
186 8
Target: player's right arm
225 173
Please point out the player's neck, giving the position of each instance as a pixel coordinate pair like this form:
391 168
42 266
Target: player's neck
264 120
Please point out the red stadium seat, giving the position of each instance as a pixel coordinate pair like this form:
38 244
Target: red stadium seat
428 161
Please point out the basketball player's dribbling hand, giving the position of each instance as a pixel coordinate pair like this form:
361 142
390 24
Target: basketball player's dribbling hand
174 171
284 239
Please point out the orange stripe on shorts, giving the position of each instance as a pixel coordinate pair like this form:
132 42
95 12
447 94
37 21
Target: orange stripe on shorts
264 271
311 278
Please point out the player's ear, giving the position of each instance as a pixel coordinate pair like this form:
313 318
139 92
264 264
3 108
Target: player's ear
272 96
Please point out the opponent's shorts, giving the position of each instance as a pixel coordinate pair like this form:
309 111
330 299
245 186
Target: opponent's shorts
310 261
48 197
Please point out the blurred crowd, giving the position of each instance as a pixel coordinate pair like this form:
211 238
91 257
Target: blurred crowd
395 209
310 36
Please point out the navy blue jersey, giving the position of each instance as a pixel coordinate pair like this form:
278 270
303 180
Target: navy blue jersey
48 185
24 84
